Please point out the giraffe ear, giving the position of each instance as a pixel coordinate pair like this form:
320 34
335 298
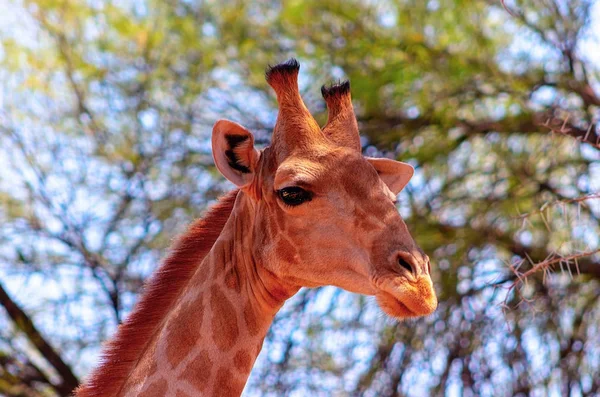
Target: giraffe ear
394 174
234 152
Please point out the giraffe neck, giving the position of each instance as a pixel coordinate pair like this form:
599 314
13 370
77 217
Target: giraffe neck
209 341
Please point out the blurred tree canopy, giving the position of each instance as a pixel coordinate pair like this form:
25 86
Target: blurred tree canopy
106 110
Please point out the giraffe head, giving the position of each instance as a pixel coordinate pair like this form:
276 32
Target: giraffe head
325 214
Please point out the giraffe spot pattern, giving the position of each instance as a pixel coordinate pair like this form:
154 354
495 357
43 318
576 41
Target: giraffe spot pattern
157 388
226 385
242 361
184 330
224 320
198 371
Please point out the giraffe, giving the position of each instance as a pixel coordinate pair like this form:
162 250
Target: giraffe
309 210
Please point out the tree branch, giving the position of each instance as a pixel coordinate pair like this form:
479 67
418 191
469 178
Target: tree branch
525 124
24 323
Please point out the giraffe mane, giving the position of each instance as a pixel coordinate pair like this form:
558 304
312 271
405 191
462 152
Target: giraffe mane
165 286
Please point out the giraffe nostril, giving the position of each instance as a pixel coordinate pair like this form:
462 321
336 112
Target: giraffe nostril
402 262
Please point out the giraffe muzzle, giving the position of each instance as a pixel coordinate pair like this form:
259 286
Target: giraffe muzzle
407 292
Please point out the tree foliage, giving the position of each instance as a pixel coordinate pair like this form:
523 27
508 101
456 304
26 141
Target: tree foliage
105 113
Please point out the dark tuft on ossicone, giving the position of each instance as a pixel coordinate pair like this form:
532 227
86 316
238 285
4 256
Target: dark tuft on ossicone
287 67
337 89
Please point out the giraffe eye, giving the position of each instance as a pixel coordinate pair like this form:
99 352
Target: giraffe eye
294 195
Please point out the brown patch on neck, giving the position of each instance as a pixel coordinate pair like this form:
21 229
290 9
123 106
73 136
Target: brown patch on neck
156 389
162 291
226 385
198 371
224 323
243 361
184 330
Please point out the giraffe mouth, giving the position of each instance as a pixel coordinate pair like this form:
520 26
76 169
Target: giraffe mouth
401 298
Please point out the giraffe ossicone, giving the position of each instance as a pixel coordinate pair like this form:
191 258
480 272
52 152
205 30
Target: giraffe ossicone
310 210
